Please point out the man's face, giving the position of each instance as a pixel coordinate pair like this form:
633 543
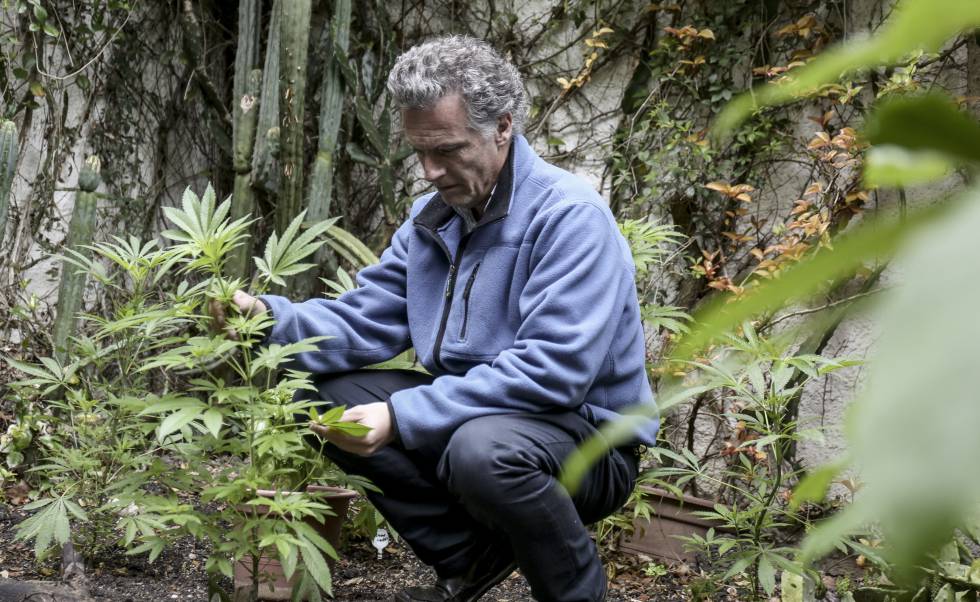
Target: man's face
461 163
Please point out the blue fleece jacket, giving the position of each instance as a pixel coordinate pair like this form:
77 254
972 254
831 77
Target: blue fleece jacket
533 309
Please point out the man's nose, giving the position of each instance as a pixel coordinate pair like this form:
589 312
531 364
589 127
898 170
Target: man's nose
431 169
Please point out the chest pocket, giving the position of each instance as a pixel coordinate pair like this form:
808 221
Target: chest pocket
467 290
489 315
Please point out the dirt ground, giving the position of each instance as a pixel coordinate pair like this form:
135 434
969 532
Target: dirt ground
358 577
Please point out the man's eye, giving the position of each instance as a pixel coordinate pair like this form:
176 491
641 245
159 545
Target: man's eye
447 150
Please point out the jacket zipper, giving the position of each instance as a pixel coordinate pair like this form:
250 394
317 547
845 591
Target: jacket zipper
448 302
466 300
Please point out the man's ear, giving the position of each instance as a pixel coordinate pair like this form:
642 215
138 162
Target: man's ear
505 129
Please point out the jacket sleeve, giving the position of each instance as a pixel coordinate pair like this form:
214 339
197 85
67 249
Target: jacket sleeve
366 325
579 279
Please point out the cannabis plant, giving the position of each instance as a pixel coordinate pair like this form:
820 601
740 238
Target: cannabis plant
156 399
758 386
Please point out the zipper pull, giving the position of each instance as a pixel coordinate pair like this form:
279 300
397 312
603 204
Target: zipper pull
451 282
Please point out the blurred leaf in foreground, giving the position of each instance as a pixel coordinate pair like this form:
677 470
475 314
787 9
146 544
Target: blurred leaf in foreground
913 432
915 25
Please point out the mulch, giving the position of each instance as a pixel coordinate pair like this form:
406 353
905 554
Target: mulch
178 574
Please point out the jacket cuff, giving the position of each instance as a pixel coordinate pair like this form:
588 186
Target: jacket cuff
394 422
278 308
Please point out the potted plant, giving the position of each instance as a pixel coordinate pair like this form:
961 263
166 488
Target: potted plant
668 518
203 414
239 408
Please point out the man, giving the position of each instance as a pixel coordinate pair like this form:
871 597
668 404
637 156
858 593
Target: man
515 288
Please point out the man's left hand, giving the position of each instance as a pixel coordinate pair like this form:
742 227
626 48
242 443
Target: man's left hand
375 416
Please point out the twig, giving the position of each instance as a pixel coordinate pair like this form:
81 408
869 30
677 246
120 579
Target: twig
830 305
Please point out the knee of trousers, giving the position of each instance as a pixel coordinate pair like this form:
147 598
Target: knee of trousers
484 461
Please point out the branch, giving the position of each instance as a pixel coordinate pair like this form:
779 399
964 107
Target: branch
831 305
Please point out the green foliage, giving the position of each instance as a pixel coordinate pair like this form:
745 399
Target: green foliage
910 433
283 255
202 231
648 242
755 379
122 424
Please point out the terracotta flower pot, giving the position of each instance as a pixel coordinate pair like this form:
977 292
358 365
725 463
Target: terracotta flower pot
273 582
671 516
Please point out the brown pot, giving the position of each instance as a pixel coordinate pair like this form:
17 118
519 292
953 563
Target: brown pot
671 516
274 585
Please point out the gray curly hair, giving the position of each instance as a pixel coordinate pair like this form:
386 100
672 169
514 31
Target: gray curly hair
490 85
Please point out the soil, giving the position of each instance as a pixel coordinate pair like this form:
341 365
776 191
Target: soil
178 574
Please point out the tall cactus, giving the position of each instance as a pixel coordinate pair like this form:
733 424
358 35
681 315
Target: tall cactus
243 196
294 38
265 166
247 51
331 109
80 232
245 109
8 167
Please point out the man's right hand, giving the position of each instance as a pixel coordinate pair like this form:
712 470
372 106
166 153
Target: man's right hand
247 305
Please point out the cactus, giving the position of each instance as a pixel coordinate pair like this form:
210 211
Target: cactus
294 37
331 108
243 196
245 108
80 232
8 168
265 168
247 52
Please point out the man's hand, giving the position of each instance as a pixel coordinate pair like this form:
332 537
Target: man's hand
375 416
247 305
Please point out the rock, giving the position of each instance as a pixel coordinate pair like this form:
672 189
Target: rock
41 591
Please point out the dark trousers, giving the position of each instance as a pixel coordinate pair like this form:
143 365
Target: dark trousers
491 487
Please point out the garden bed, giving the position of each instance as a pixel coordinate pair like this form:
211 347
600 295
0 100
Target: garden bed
359 576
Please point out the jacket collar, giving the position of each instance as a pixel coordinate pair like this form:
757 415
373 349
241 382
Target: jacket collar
437 213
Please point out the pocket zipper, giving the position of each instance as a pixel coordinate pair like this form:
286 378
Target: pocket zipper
466 299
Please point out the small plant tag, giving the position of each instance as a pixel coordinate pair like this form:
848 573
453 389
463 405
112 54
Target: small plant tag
380 541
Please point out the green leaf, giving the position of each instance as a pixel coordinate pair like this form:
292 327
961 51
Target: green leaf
177 421
49 527
351 247
212 421
317 568
813 487
366 118
354 429
926 123
308 533
289 560
741 563
169 404
615 433
767 574
917 418
894 166
357 154
284 254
